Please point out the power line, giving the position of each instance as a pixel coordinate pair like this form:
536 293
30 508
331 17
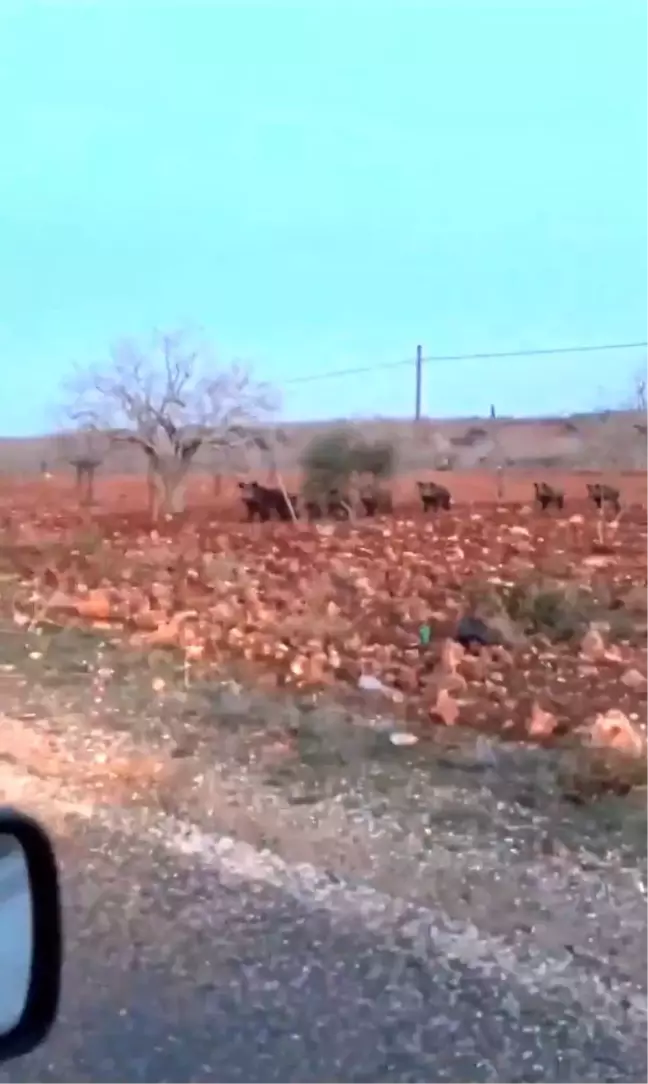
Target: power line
536 353
348 372
483 356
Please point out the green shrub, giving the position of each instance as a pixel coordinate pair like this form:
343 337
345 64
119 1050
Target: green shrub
377 458
333 459
561 610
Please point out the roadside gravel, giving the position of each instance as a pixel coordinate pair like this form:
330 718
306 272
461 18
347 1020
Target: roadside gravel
187 959
442 889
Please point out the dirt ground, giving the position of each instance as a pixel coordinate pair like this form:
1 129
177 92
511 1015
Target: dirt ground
127 493
115 641
319 608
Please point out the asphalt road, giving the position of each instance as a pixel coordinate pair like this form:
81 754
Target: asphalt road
250 916
175 973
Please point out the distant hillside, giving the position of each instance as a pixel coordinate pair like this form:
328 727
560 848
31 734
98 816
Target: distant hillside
614 440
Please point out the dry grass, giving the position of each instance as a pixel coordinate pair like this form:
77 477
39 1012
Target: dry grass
605 441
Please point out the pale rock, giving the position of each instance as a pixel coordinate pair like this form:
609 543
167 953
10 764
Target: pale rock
451 654
614 654
587 671
633 679
597 561
403 738
445 708
542 723
592 646
613 730
453 682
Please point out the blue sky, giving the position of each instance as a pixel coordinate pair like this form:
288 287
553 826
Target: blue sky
322 185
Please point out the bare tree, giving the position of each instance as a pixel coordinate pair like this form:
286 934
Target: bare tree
227 461
615 444
617 441
168 401
84 449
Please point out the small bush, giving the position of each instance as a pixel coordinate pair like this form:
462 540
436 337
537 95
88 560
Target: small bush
377 458
326 463
330 453
332 460
472 436
561 610
564 611
588 774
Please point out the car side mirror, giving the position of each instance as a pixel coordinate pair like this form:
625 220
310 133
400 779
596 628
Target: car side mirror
30 934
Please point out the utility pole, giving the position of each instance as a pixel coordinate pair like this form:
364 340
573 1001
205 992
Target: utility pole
419 383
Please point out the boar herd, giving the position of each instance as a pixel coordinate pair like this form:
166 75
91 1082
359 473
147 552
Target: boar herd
263 503
598 493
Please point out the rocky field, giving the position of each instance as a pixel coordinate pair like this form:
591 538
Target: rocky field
428 732
526 625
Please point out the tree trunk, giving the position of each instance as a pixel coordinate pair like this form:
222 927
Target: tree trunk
166 484
85 476
89 486
152 493
171 487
